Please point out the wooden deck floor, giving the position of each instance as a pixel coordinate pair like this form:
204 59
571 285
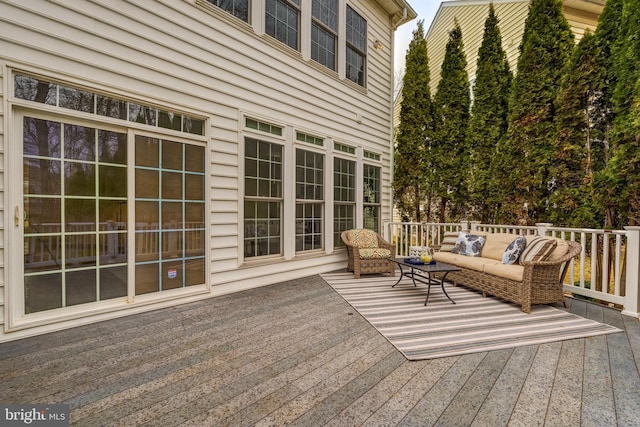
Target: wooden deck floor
297 353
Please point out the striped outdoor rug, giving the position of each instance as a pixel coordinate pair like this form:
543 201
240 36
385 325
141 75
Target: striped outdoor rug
473 324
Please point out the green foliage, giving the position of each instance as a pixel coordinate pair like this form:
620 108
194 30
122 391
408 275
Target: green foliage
527 152
412 173
626 128
488 122
448 152
579 143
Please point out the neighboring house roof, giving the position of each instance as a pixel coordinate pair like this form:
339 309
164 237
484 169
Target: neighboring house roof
471 15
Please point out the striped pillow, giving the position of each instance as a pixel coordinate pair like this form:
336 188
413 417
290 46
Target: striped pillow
538 249
448 241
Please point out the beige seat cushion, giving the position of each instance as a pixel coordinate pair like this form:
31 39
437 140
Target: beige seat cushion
374 253
512 272
468 262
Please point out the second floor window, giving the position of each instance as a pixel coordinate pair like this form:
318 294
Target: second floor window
356 47
324 29
238 8
282 21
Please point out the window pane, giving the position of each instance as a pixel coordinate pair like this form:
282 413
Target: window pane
147 152
169 120
80 287
113 214
32 89
171 185
76 99
172 155
142 114
80 215
113 282
113 249
112 181
79 142
42 292
42 176
79 179
112 147
194 158
147 278
41 138
111 107
147 184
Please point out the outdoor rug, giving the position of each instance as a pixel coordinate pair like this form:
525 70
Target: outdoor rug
474 324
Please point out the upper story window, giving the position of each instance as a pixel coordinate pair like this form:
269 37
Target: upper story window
324 32
238 8
282 21
356 47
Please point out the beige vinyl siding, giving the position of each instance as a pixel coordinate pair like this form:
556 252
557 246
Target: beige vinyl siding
3 203
471 18
193 57
511 14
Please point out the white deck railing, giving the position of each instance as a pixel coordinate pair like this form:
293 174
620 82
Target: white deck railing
607 269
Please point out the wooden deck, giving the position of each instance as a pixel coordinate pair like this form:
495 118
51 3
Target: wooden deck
297 353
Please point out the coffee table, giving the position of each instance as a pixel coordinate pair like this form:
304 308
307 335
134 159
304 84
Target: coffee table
422 273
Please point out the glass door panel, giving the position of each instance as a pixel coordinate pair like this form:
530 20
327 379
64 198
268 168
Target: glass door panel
169 194
74 236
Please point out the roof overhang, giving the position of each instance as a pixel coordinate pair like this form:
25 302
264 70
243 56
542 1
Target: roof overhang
399 10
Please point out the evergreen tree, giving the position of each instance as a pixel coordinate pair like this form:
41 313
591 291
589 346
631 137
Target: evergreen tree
579 137
527 154
605 180
623 172
448 152
488 122
411 173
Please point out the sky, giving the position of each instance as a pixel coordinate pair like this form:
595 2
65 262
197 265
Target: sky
426 10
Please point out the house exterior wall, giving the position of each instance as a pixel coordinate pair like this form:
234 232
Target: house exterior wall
193 58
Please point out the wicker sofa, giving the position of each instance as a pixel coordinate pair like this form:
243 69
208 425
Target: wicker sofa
368 252
531 280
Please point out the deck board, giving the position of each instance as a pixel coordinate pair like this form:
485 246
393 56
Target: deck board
297 353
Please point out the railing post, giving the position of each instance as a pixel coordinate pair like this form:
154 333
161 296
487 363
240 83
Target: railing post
543 228
632 294
472 225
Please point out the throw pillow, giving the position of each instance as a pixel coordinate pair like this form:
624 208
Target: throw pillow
469 244
448 241
513 251
538 250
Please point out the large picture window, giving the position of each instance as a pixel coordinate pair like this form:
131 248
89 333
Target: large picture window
324 32
263 198
356 47
282 21
371 181
344 197
309 200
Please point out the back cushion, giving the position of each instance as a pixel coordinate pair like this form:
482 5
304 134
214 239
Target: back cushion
496 244
538 249
448 241
363 238
561 250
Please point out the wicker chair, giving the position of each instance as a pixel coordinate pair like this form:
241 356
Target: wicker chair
368 252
